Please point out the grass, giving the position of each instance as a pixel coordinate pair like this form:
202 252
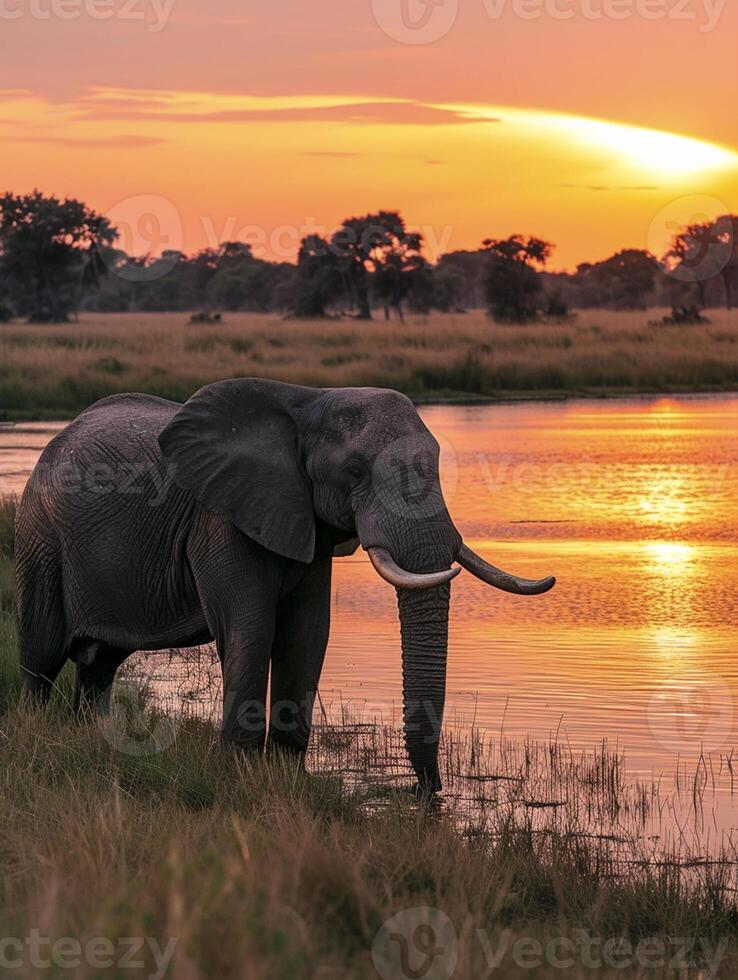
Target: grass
139 827
55 371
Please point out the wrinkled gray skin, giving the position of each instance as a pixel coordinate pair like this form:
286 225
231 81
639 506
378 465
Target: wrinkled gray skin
148 525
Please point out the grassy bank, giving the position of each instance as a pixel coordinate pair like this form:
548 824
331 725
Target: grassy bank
55 371
143 828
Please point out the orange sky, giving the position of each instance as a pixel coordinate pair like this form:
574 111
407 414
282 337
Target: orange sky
265 121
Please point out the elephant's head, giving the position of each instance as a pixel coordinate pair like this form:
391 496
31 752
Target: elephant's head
302 469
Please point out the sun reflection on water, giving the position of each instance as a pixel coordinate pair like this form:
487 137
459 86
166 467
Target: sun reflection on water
668 557
675 648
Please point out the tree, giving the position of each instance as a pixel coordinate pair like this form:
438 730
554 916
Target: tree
704 252
364 245
240 281
319 278
512 283
49 253
207 263
449 288
400 272
469 271
626 279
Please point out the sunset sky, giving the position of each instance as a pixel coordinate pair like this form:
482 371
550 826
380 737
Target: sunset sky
194 123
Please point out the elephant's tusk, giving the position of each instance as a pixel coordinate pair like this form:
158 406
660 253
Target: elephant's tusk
391 572
502 580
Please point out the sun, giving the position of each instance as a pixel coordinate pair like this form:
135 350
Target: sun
616 147
649 149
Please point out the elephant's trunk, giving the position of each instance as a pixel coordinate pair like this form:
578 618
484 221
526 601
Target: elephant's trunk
415 554
424 628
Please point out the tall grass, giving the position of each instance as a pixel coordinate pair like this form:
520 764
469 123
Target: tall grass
58 370
139 827
8 666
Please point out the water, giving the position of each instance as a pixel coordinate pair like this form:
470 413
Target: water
633 505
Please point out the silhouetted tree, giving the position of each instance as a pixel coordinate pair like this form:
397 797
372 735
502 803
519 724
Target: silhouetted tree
450 288
705 252
469 268
401 271
49 253
556 306
363 245
625 280
512 282
205 265
319 281
240 281
228 277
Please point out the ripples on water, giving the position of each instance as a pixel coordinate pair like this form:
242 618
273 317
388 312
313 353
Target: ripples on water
632 504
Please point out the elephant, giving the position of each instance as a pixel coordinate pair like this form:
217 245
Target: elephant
149 524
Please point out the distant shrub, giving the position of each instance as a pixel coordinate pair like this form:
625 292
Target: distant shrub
340 359
241 345
687 315
556 306
110 365
204 317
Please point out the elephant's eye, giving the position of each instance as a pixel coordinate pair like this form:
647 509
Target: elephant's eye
355 471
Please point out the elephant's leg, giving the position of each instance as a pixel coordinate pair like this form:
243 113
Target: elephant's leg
97 664
244 655
41 624
238 589
303 621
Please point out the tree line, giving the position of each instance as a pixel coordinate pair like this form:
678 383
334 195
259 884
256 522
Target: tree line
58 257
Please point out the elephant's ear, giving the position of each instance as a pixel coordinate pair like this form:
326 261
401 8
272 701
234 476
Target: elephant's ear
235 446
